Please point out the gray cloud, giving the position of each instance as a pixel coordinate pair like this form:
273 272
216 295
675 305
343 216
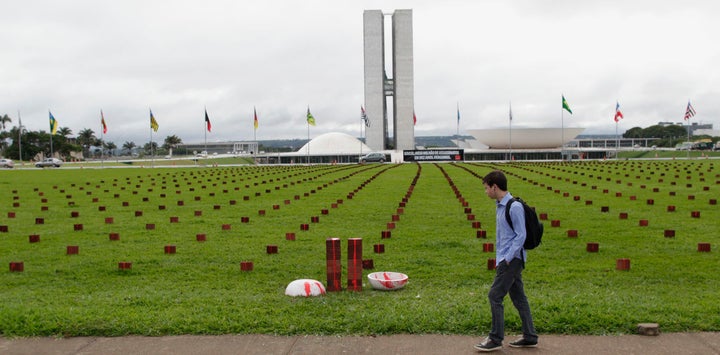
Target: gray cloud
178 57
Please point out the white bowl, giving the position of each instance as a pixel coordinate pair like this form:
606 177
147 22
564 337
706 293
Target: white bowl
387 280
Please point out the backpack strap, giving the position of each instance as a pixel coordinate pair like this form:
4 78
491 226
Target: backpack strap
507 213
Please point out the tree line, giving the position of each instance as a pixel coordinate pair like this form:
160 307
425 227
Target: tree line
34 144
668 136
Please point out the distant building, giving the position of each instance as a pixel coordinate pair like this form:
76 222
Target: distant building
379 85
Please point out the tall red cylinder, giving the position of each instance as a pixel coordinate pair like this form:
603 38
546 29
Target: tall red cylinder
354 264
334 269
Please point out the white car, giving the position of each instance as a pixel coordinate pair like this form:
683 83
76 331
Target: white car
49 162
7 163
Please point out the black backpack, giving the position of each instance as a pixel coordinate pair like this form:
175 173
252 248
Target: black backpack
533 226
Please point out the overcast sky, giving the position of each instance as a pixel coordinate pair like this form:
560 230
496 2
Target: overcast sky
178 57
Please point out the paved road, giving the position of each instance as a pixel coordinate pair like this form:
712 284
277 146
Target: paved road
672 343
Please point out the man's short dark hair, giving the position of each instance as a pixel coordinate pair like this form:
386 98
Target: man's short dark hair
496 178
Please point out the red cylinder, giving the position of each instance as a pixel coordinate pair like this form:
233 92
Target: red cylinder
703 247
491 264
246 265
622 264
17 266
354 264
379 248
334 269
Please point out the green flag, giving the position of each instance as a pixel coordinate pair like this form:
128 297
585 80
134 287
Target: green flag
565 105
310 118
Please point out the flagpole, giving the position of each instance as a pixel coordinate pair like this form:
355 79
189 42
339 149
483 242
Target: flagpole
152 152
617 140
562 134
510 130
205 132
102 136
20 138
51 136
361 135
688 133
308 143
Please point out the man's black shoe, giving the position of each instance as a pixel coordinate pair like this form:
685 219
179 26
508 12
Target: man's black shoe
488 345
524 343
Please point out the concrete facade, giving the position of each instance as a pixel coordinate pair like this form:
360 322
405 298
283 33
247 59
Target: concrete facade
378 86
403 95
374 58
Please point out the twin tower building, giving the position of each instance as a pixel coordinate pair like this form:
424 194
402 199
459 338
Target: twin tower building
379 87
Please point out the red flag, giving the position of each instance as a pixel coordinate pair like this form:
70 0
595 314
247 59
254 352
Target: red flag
102 121
414 118
207 120
255 121
618 114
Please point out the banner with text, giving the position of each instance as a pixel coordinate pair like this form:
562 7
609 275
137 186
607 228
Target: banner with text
434 155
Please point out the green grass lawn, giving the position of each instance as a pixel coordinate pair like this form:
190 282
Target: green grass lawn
201 289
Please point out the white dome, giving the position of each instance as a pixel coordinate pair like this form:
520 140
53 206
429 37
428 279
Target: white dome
525 138
335 143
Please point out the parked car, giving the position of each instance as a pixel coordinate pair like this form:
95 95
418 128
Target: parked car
372 157
49 162
7 163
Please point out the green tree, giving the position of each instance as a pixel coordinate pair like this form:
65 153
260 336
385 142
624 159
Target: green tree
150 148
128 147
4 120
635 132
86 138
172 142
64 132
4 135
109 148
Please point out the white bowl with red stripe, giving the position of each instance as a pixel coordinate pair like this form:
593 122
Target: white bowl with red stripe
387 280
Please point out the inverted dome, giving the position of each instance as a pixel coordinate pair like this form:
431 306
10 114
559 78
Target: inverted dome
335 143
525 138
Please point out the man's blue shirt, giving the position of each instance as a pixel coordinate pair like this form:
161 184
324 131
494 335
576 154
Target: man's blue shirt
509 242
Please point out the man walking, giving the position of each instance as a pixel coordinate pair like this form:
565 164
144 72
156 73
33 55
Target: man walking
509 264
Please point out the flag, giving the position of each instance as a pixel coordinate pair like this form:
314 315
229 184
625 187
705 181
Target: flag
255 121
153 124
510 112
414 118
364 117
102 121
53 123
207 121
310 118
565 105
689 111
618 114
458 113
